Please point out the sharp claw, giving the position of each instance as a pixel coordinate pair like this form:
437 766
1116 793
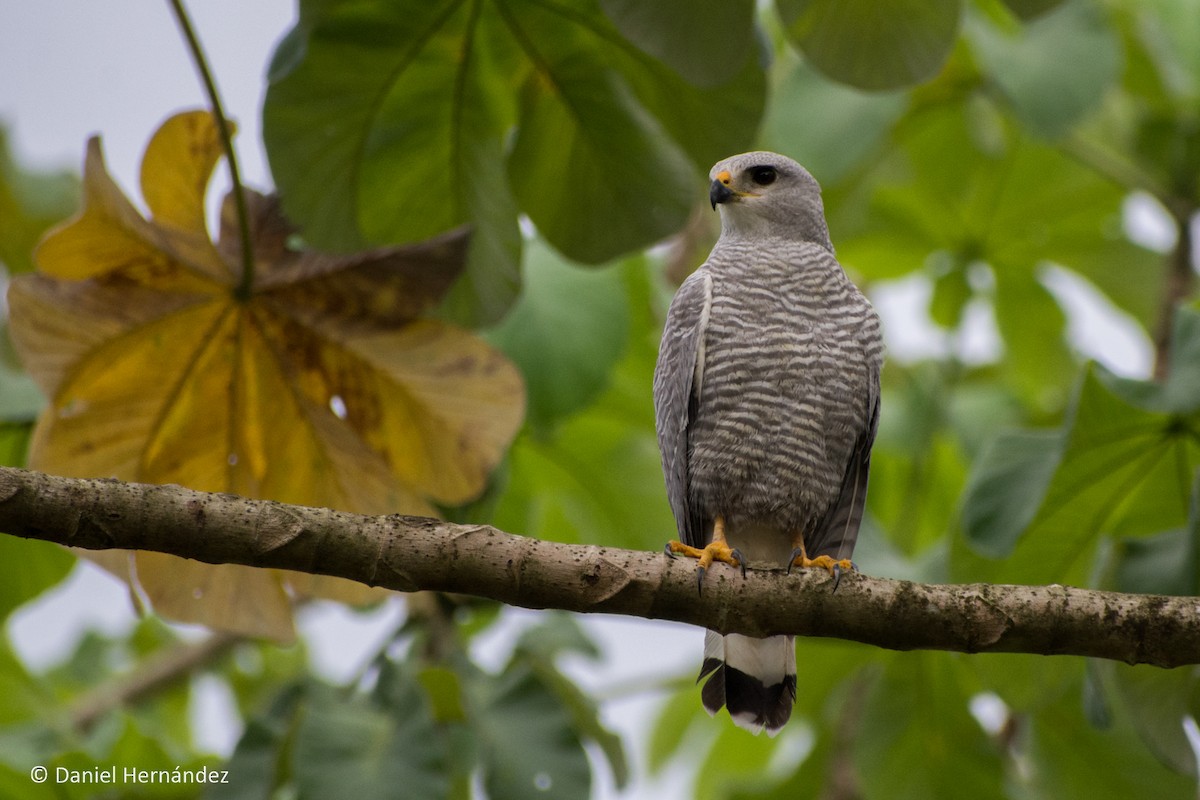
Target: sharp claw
837 575
700 581
668 551
792 559
741 561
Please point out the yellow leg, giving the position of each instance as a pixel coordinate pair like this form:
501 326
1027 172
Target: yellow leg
835 566
716 550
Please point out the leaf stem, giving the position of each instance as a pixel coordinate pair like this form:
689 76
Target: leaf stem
244 287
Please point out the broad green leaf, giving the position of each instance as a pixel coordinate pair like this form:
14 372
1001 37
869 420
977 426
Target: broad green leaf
744 760
951 292
323 387
587 158
1168 31
873 46
557 634
24 699
1026 682
1157 701
595 479
1067 757
1167 563
918 740
380 131
1008 482
27 568
527 741
1180 394
704 40
352 748
538 647
1026 64
389 122
1124 471
1037 361
855 123
566 332
809 781
1030 9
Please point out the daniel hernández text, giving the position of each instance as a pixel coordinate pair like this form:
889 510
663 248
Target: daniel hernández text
113 774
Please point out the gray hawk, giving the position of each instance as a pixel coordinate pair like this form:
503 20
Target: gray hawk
766 397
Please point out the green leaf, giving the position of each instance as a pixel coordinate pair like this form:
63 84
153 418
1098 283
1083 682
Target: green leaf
856 123
1007 484
586 155
14 443
705 41
28 568
918 740
390 121
538 647
1180 394
871 45
1030 9
527 741
1168 563
1037 362
384 123
566 332
29 204
351 748
596 479
1027 65
557 633
1124 471
260 758
1157 701
1067 757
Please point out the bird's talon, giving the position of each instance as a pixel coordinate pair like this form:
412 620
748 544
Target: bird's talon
738 561
667 549
700 581
797 555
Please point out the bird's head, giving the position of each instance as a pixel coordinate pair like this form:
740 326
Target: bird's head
766 194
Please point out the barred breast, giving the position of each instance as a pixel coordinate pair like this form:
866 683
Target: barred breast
789 350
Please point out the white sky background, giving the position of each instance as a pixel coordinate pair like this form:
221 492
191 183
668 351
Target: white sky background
69 69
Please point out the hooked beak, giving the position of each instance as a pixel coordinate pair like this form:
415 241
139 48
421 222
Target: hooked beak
719 193
721 190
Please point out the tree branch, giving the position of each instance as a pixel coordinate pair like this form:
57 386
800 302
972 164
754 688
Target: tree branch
161 670
415 553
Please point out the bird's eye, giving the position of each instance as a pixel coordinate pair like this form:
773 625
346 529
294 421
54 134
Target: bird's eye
763 176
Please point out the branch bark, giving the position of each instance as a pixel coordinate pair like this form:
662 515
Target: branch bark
415 553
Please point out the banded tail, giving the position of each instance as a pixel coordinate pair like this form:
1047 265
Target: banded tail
754 678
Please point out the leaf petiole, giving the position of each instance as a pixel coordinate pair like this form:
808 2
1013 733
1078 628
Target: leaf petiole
245 285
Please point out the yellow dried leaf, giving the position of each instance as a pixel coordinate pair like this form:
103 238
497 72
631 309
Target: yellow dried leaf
323 387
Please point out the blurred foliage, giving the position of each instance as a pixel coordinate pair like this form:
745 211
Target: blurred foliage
969 149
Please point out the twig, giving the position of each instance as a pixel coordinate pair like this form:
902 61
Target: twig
162 670
1177 287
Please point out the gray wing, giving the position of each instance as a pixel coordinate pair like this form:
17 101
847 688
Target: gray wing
676 395
838 531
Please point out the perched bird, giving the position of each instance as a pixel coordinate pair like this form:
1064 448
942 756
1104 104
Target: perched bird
766 397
